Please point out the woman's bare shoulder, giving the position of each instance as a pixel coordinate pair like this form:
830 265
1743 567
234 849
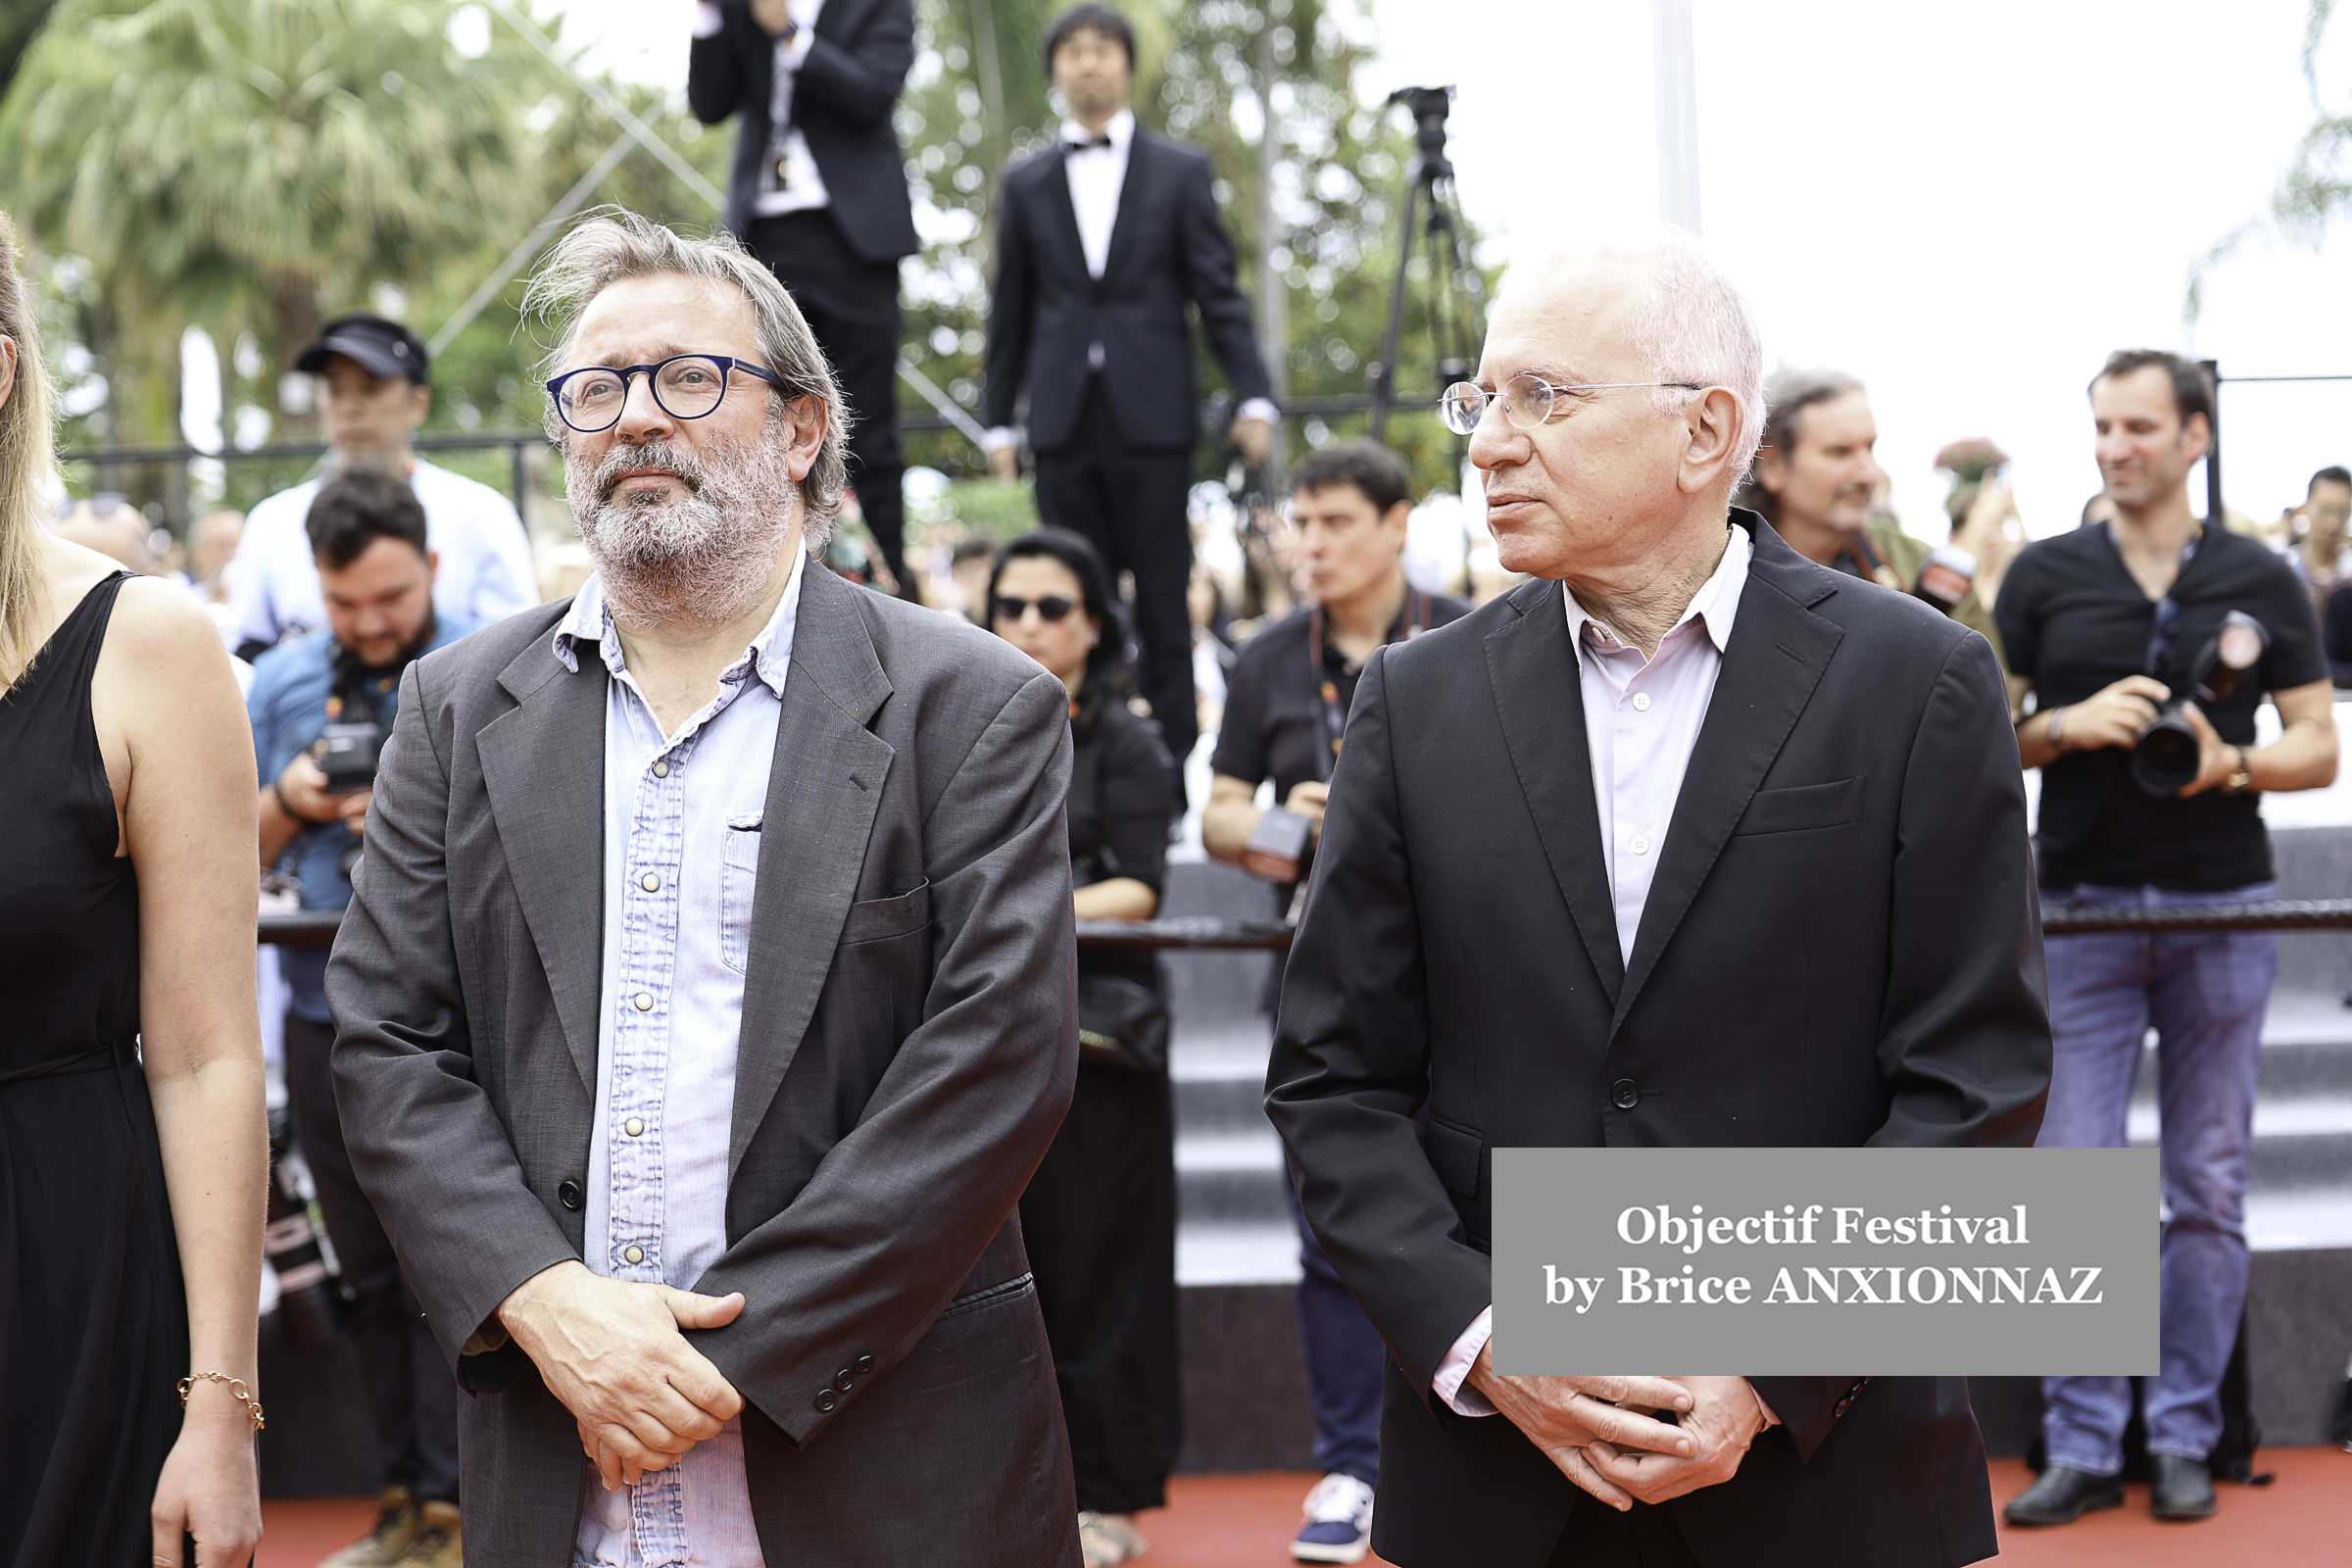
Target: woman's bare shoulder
158 620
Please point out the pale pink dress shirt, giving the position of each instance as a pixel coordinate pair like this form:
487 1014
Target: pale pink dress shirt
1642 717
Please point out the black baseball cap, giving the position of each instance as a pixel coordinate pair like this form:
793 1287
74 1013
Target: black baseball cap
377 346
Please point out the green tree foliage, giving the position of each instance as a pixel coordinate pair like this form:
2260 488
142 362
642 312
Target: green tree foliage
2316 188
252 166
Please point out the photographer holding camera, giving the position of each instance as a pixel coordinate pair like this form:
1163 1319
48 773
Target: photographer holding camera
321 708
2149 643
1816 479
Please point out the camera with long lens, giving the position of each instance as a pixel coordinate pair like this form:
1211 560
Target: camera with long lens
310 1294
2165 760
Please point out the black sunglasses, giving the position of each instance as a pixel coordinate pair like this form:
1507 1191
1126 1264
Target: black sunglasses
1052 606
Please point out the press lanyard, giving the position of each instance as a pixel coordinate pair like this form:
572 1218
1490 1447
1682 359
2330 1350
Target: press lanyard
1873 569
1415 617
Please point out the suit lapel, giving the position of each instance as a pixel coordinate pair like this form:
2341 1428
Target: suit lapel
1134 190
1540 699
1778 652
839 21
543 767
1062 216
825 785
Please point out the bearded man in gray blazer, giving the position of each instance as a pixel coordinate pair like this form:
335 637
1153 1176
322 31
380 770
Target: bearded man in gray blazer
708 992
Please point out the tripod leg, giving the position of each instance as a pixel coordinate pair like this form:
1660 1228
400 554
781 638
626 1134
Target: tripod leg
1384 383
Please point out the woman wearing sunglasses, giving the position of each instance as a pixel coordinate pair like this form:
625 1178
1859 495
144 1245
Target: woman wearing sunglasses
1100 1216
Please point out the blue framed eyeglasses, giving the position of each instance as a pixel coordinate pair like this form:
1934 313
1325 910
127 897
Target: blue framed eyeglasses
686 386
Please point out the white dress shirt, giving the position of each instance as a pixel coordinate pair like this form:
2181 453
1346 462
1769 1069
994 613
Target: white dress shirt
485 571
1096 165
682 831
1097 173
1641 718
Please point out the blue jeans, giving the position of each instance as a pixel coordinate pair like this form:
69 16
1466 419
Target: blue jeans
2205 992
1344 1362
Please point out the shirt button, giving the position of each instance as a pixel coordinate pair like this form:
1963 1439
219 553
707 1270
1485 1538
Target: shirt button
1641 702
645 1002
661 771
652 883
635 1254
634 1126
1639 846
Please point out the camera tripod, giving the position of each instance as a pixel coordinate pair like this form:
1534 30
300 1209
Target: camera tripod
1431 219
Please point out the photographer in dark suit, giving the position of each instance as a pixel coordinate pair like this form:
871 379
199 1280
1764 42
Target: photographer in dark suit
1687 842
1101 241
375 574
818 192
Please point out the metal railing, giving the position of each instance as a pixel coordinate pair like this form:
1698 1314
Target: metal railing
2292 915
519 442
1201 932
317 928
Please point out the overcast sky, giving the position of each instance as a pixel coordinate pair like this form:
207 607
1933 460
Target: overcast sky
1966 206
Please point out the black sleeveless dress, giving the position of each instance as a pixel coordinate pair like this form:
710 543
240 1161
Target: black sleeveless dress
93 1317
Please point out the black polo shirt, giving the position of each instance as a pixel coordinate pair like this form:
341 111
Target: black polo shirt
2075 622
1274 714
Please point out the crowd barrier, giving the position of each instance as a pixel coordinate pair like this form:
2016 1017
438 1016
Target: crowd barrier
1201 932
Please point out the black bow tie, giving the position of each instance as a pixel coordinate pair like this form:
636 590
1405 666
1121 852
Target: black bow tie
1077 146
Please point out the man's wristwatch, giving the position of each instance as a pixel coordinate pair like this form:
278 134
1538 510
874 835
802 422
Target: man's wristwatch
2240 776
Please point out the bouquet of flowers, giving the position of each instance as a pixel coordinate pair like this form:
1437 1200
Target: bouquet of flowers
1969 461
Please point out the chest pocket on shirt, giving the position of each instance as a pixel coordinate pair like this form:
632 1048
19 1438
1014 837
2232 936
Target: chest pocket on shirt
738 878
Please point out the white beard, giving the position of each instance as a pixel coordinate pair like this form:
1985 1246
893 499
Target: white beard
704 557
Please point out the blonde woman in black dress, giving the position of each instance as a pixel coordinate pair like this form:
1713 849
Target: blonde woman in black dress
134 1154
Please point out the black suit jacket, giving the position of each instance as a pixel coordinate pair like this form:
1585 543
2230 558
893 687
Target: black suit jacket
1167 249
1840 948
841 102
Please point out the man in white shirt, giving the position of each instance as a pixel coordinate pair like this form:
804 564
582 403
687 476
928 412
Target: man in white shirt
1666 848
818 192
1101 242
372 396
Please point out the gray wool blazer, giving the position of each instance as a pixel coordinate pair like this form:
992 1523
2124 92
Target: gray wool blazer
908 1048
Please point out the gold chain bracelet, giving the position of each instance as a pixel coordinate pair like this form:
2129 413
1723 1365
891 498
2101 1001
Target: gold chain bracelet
236 1389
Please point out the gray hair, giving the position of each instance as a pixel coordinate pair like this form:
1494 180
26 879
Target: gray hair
1690 324
615 245
1786 397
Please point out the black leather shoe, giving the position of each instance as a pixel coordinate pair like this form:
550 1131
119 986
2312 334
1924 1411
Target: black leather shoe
2063 1496
2180 1489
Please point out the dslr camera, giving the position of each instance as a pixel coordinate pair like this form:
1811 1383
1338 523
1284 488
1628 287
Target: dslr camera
348 754
2165 758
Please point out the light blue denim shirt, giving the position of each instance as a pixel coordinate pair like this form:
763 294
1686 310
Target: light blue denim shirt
682 817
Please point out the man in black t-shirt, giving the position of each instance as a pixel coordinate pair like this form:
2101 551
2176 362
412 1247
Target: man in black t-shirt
1286 708
2102 625
1287 703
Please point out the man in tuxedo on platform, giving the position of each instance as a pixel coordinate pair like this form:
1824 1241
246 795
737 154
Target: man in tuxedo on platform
1685 842
818 192
1101 241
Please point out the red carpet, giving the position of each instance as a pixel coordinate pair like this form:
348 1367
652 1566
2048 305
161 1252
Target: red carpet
2304 1520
